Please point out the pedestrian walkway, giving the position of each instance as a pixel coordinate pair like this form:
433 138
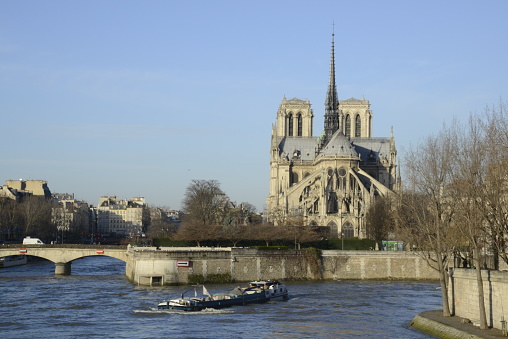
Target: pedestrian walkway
433 323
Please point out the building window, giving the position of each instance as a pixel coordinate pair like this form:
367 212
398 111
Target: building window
358 126
316 206
332 206
299 125
347 230
342 178
290 125
294 178
348 126
332 229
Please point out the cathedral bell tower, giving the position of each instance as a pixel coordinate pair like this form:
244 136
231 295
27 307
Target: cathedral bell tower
294 118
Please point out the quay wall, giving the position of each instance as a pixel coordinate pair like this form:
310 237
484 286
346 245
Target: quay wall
463 294
166 266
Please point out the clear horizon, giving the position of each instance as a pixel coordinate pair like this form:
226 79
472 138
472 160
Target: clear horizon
132 98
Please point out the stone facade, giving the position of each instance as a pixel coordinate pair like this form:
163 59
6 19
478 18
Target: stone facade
463 294
122 217
330 180
16 189
72 215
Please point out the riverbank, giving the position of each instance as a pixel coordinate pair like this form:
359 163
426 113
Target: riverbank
172 266
433 323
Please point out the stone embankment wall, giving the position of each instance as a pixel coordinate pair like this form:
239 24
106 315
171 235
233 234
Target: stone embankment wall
149 266
463 295
376 265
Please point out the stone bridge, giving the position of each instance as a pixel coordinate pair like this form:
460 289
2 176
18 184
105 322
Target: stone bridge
63 254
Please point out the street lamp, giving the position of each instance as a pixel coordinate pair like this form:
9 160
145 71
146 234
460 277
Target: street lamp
342 236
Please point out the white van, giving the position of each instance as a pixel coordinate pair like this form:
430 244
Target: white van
32 241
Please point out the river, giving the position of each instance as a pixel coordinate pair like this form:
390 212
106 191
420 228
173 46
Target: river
98 301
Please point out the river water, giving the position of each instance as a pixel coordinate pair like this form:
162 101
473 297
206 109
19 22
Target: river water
98 301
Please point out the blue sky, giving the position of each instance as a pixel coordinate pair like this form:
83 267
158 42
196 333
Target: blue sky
137 98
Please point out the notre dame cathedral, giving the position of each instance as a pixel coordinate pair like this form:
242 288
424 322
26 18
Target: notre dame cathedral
332 179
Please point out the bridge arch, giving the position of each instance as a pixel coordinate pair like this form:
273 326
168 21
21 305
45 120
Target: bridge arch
64 256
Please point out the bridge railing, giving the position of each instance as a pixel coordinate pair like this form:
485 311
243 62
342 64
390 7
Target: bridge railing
79 246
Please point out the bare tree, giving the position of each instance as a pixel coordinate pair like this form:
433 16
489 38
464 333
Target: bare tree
205 202
424 210
494 193
234 233
471 172
192 231
295 230
36 215
10 218
205 206
266 232
160 226
379 219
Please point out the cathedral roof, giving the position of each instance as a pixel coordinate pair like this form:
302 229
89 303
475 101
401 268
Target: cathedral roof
372 149
369 149
305 148
352 99
339 145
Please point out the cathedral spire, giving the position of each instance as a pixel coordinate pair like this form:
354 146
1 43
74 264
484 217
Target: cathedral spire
331 102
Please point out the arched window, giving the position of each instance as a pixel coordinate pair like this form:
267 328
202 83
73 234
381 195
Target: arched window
342 178
316 206
290 125
348 126
299 125
332 205
358 126
332 229
347 230
294 178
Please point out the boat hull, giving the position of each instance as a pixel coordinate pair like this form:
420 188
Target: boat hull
14 260
216 304
258 292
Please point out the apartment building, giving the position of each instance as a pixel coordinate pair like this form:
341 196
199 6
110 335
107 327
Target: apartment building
116 217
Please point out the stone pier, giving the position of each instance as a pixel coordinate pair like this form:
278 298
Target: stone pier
62 268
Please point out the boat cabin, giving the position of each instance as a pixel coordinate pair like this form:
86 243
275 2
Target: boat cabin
266 284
